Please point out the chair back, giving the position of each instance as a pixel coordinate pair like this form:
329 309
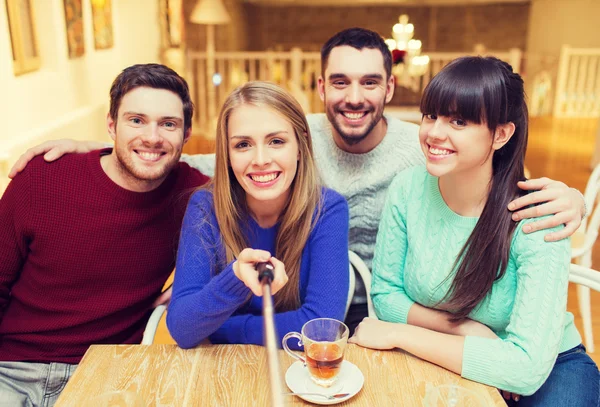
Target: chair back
584 276
152 324
587 234
361 268
351 288
591 195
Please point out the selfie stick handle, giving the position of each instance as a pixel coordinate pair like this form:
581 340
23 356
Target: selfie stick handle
265 276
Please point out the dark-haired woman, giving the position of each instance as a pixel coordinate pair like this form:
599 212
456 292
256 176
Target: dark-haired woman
455 280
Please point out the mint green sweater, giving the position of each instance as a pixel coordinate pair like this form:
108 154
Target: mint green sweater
418 241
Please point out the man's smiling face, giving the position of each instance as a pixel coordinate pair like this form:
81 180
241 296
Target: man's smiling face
355 90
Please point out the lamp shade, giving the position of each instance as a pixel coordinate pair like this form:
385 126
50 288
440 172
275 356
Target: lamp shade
210 12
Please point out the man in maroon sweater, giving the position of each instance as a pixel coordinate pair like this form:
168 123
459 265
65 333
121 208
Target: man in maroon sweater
87 242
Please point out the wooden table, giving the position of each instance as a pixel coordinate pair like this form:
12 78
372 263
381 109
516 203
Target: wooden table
236 375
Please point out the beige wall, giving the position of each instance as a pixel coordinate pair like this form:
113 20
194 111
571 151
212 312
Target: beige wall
556 22
553 23
69 97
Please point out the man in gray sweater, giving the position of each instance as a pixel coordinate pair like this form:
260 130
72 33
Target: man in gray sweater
359 149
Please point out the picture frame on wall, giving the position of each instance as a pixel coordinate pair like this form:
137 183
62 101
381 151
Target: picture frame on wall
102 21
171 12
74 27
23 36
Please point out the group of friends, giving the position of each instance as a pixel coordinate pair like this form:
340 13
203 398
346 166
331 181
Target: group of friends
469 259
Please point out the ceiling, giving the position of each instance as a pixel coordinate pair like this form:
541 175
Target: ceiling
348 3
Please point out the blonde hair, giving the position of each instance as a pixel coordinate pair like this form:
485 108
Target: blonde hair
300 213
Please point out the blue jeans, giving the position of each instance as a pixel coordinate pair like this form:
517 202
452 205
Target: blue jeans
574 381
28 384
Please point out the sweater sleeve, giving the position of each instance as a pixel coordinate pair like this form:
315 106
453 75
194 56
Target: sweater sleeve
201 302
205 163
390 300
327 287
14 242
522 361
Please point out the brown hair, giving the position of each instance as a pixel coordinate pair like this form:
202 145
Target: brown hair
155 76
358 38
301 212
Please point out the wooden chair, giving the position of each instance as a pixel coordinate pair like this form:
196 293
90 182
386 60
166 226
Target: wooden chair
152 324
582 244
351 288
363 271
585 276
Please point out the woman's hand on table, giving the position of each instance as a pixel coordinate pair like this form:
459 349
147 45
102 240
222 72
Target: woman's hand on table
375 334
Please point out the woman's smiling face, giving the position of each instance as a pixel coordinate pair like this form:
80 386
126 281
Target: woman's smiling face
263 154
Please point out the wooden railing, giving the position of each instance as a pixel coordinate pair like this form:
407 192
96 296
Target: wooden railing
438 60
295 70
578 83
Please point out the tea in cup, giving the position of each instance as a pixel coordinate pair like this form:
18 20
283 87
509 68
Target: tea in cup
324 341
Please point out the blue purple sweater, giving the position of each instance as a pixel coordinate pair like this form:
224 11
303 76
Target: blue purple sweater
209 301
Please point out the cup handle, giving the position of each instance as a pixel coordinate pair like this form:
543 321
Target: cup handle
288 350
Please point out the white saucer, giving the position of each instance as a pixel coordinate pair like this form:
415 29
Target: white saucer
349 381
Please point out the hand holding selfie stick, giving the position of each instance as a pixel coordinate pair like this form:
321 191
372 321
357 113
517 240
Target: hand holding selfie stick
265 277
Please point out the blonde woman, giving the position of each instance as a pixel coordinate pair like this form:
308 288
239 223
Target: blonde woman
265 204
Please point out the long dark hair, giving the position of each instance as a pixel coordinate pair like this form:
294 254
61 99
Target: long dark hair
484 90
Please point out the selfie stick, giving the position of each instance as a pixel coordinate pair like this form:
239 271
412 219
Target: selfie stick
265 277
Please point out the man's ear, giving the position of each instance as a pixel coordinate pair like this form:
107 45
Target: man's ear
321 88
187 134
112 126
502 135
390 87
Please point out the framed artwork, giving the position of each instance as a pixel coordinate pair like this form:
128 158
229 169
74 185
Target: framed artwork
74 22
23 37
171 12
103 28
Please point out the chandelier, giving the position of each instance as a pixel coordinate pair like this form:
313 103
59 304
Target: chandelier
408 63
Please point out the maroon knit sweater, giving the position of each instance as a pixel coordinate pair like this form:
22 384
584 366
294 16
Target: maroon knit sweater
82 259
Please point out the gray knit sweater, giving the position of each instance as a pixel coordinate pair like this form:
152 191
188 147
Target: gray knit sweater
362 179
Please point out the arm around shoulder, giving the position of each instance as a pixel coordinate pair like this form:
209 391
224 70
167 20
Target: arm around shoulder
53 150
